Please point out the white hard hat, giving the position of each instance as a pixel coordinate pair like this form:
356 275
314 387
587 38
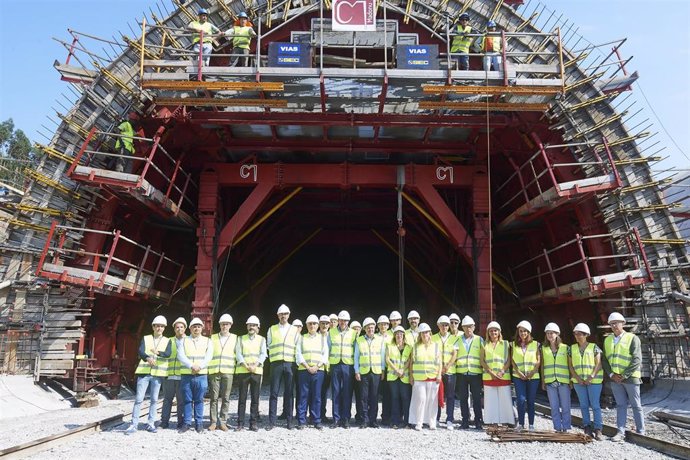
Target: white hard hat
314 319
553 327
467 321
355 324
196 321
424 327
367 321
525 325
443 319
225 318
395 315
180 320
344 315
332 317
582 327
297 322
493 325
160 319
398 329
283 309
454 317
413 314
253 320
615 316
324 319
383 319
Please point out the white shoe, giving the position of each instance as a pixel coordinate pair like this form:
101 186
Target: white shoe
619 437
521 428
418 427
432 427
531 427
450 426
132 429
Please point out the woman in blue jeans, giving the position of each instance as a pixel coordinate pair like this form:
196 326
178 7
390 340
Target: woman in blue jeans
525 360
587 375
555 377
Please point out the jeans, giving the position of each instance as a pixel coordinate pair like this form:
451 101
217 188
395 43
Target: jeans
525 394
400 401
172 390
206 53
369 394
624 393
194 388
310 394
467 384
464 61
220 385
589 395
559 399
492 60
281 372
449 394
243 61
357 396
341 391
143 383
248 383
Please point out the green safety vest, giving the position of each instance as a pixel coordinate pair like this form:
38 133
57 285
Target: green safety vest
370 354
411 337
195 352
127 131
174 364
446 349
327 364
425 361
312 348
618 355
223 361
399 360
251 349
556 369
160 369
342 346
584 362
525 361
461 43
469 361
388 337
207 28
241 37
282 349
495 358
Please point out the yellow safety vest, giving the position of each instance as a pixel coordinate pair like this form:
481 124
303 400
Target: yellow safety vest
160 369
282 349
411 337
469 361
461 43
327 364
618 355
446 349
342 346
496 358
495 42
206 28
584 362
387 337
556 369
127 131
399 360
241 37
311 350
174 364
195 352
223 361
370 354
525 361
425 361
251 350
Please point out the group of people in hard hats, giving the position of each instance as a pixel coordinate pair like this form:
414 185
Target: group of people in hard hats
413 371
204 32
465 39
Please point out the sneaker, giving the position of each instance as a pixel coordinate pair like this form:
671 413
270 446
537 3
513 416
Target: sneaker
131 430
418 427
450 426
184 429
432 426
151 429
619 437
520 428
531 427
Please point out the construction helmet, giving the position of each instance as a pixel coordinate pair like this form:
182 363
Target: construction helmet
383 319
253 320
491 24
332 317
203 11
344 315
313 319
160 319
525 325
454 317
424 327
297 323
324 319
196 322
582 327
464 16
615 316
283 309
493 325
367 321
225 318
180 320
243 15
467 321
398 329
413 314
553 327
395 315
355 324
443 319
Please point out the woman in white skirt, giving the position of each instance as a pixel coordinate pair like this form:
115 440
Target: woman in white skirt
425 377
495 360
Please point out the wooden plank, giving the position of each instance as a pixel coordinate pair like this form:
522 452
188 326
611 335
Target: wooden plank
63 323
57 365
62 334
167 63
536 68
53 356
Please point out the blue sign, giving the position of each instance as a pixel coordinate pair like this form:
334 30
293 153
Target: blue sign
417 56
289 55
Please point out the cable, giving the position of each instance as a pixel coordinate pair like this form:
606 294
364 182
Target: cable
665 397
17 397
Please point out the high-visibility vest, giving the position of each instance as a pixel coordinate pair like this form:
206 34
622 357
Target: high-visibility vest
242 36
251 350
556 369
399 360
370 354
127 131
461 43
525 361
387 337
411 337
174 364
447 348
206 28
491 43
618 355
342 346
495 358
282 349
327 364
160 369
195 352
312 348
425 361
584 363
223 361
469 361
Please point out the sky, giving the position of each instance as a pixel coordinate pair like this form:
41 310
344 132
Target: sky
658 35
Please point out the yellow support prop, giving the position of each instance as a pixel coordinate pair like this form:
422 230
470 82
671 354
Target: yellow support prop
480 106
46 211
672 241
594 100
583 81
45 180
408 10
634 188
635 161
491 90
268 214
211 102
424 212
180 5
78 128
110 76
184 85
29 225
54 153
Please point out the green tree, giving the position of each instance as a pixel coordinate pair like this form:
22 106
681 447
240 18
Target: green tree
16 154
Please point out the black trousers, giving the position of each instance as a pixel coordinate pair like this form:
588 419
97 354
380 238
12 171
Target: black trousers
467 384
369 394
384 388
248 383
324 391
281 373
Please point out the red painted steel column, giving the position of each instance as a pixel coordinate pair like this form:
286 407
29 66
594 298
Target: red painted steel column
99 220
482 248
202 306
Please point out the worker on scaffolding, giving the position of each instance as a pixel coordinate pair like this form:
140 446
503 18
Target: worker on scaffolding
203 28
124 147
241 33
491 47
461 41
